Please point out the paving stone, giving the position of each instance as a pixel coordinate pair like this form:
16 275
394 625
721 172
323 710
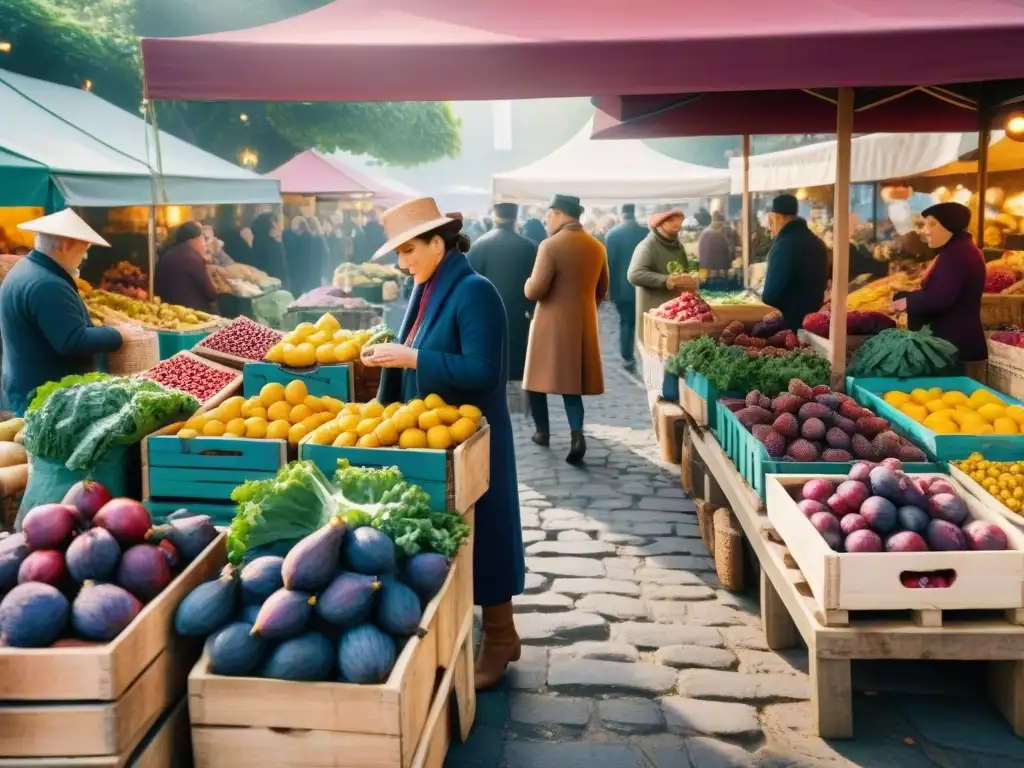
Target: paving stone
589 586
578 567
530 673
561 627
736 686
653 636
747 637
604 504
571 548
695 656
538 709
681 562
623 561
613 537
619 572
688 530
630 715
677 592
592 677
582 524
535 582
668 546
694 717
574 536
707 613
600 651
613 606
531 536
701 752
760 662
639 517
542 602
667 576
668 505
531 754
483 748
561 513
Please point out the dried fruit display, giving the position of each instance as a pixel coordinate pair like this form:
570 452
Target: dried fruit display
243 338
187 373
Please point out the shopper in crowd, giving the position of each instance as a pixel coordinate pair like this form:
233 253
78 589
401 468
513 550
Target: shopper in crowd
45 329
373 237
622 242
506 259
949 299
533 229
298 251
798 264
351 235
703 218
563 357
714 252
454 344
181 277
228 232
648 268
319 253
267 249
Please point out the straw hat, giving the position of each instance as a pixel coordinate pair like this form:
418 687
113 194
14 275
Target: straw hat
404 222
66 224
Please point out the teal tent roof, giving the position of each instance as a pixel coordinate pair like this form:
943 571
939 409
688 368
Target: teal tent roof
98 156
22 182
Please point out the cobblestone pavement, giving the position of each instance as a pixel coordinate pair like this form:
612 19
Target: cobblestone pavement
635 657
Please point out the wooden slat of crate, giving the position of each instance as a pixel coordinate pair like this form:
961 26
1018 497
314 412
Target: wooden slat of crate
321 380
105 672
662 338
744 313
1009 381
984 497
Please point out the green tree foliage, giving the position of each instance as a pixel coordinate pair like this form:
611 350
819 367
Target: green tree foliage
72 41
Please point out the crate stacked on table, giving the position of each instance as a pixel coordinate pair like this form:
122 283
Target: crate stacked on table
1006 363
239 343
209 382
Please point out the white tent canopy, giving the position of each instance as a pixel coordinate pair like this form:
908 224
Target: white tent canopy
876 157
609 173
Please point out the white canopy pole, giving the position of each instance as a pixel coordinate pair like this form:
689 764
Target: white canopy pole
841 237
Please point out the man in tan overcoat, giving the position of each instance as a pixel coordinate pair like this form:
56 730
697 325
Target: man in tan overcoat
563 357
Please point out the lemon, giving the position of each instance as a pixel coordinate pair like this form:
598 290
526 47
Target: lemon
355 408
391 410
271 393
417 406
449 414
214 428
433 402
346 440
235 427
346 352
248 405
231 408
278 429
368 441
279 411
341 335
321 436
318 338
429 419
439 438
300 356
371 410
298 413
303 331
404 419
296 433
413 438
328 323
991 411
462 430
214 415
474 413
936 419
934 406
311 422
1004 426
954 398
348 422
386 433
331 404
920 396
296 393
366 426
276 354
896 398
945 428
187 434
1016 413
914 411
325 354
197 422
323 417
256 427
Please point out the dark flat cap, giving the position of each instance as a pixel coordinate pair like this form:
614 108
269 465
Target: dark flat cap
568 205
786 205
506 211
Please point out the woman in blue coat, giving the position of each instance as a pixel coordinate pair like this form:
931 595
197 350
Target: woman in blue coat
454 343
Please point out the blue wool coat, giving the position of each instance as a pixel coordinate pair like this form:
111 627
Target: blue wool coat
463 357
45 329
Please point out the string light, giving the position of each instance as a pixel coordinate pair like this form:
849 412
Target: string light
5 47
243 117
1015 127
87 86
249 158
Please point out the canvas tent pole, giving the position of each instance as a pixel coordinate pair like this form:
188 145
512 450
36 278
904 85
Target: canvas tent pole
841 237
984 137
745 227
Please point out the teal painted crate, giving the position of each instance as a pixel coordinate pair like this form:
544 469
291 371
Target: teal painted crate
332 380
173 342
753 462
869 393
203 471
221 513
702 405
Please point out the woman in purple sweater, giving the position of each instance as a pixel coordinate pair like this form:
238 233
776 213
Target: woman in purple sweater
949 299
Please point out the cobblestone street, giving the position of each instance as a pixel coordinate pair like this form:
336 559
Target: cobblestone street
634 656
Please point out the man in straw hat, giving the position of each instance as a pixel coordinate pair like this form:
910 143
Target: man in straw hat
44 325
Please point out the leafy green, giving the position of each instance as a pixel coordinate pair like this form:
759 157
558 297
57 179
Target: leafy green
47 389
292 505
365 485
77 425
898 353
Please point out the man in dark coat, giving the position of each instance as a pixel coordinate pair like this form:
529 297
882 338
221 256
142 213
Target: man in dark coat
798 264
373 238
622 241
506 259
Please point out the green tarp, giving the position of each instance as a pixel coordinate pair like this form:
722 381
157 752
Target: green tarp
23 182
97 155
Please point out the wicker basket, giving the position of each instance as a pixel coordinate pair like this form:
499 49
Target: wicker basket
998 310
139 352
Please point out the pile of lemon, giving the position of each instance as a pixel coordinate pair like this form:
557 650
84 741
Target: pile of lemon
950 413
323 342
427 423
1003 479
278 413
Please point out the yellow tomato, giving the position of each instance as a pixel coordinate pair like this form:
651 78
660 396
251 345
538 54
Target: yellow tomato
278 430
235 427
279 411
296 393
256 428
271 393
413 438
214 428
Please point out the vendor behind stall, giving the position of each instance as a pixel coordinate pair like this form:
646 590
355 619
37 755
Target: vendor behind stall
798 264
649 268
949 299
181 276
44 326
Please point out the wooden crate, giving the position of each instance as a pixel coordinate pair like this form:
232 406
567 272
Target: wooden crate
823 346
983 496
662 338
1008 381
744 313
402 723
668 428
871 581
455 479
229 389
699 398
331 380
100 701
173 342
998 310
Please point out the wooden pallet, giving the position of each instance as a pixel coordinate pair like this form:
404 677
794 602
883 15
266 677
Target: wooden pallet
789 610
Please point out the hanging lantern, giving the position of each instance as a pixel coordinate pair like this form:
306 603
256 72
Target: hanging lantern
893 192
1015 127
249 158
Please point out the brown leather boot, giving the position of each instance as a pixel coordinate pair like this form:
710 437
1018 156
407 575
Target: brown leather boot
499 647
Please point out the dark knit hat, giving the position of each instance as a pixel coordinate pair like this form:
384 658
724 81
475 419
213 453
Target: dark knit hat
629 209
568 205
786 205
953 216
507 211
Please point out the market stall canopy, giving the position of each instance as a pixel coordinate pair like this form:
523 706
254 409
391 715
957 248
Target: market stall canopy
317 175
96 154
875 157
421 50
22 182
1003 155
609 172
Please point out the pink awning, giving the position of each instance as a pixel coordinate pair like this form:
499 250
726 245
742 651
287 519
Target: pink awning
426 50
316 175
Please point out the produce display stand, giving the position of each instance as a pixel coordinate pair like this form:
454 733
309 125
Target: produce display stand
350 318
229 390
662 338
331 380
985 498
455 479
173 342
94 705
789 609
200 473
823 346
699 398
405 722
869 392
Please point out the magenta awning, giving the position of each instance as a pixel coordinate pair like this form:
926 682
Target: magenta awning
313 174
426 50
